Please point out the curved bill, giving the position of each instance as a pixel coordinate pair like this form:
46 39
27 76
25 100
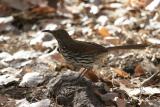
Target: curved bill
49 31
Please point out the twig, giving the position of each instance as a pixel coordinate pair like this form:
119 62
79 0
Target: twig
148 80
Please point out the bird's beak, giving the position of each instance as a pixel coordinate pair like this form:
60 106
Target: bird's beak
48 31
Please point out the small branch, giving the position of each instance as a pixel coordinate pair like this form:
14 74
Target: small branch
148 80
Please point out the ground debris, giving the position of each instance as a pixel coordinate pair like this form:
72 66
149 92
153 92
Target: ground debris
70 91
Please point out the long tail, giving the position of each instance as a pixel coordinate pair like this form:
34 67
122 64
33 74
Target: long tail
134 46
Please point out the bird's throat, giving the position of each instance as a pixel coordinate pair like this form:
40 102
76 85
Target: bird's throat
66 42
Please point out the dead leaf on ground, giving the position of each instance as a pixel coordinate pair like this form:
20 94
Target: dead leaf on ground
121 73
126 83
113 40
39 47
103 31
32 79
91 75
139 71
24 4
142 91
25 103
42 10
4 10
6 101
58 57
121 102
108 98
140 3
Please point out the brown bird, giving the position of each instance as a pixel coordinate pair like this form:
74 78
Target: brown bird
83 54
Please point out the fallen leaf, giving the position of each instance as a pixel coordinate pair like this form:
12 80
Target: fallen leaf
5 101
42 10
139 71
108 98
25 103
4 56
91 75
139 3
153 40
22 54
31 79
39 47
5 79
153 5
102 20
142 90
11 71
121 102
4 10
94 9
126 83
58 57
27 69
24 4
103 31
120 72
113 40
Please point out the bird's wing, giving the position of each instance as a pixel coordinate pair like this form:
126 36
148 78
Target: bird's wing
87 47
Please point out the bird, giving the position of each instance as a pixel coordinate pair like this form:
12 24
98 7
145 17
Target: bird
82 54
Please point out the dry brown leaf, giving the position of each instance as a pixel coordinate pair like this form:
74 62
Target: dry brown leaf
144 3
39 47
139 71
91 75
58 57
113 40
142 91
120 72
108 98
110 83
4 10
5 101
139 3
126 83
153 5
153 41
103 31
42 10
24 4
121 102
27 69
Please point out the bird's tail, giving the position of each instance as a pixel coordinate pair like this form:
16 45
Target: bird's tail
132 46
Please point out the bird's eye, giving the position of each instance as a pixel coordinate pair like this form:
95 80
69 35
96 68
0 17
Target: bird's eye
58 49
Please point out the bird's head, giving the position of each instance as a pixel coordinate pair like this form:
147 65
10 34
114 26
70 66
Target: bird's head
59 34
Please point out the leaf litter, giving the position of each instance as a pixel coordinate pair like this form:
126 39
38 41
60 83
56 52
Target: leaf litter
33 73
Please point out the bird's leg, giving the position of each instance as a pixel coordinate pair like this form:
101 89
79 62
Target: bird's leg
82 73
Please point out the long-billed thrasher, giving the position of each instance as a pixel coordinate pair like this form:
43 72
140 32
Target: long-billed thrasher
83 54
